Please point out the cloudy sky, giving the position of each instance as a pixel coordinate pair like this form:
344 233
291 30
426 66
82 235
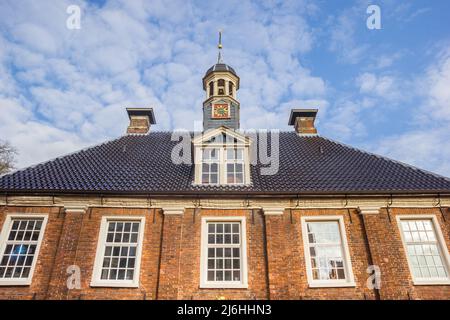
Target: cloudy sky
386 91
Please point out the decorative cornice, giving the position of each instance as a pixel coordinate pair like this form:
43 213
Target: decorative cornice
173 210
273 211
369 210
75 209
220 203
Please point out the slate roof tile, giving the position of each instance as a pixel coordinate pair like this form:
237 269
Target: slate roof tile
141 164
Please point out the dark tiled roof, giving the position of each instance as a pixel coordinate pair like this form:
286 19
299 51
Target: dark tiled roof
142 164
220 67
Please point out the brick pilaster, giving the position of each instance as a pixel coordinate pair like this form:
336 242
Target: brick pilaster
66 252
276 255
168 282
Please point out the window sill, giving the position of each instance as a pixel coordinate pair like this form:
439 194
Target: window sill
332 285
15 283
107 284
431 282
224 286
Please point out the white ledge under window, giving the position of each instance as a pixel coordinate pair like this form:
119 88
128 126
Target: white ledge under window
431 282
331 284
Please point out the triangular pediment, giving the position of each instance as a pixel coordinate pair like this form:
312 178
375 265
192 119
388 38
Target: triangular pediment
221 135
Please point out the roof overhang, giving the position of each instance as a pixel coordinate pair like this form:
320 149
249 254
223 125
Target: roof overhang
301 113
142 112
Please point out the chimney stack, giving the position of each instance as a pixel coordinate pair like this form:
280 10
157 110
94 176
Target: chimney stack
140 120
303 121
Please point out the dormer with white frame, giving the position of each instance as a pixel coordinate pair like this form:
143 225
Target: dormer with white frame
222 157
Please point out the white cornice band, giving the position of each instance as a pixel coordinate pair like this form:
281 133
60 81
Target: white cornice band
369 210
173 210
273 211
75 209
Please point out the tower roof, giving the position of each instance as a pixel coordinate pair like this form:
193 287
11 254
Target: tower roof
220 67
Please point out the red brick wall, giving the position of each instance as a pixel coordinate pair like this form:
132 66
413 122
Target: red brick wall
287 265
389 254
171 269
190 257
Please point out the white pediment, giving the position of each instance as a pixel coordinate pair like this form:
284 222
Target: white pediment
221 135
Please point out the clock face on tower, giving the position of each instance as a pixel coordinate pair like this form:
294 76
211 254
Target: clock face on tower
220 111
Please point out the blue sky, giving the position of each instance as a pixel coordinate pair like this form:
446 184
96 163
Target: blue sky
386 91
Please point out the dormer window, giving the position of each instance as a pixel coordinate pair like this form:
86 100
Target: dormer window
235 165
221 158
210 166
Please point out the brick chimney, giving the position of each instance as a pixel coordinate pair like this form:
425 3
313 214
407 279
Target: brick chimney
303 121
140 120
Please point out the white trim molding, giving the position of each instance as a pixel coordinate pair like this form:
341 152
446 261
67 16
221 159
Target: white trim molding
6 229
100 253
369 210
243 283
273 211
442 248
349 280
173 211
75 209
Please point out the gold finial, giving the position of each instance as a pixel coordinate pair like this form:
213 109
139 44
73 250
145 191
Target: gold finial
219 46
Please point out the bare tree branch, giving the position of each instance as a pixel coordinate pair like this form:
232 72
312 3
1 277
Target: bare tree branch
7 157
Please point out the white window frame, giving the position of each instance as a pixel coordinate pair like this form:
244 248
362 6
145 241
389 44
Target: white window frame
96 274
204 283
4 239
349 281
222 164
210 161
442 247
234 162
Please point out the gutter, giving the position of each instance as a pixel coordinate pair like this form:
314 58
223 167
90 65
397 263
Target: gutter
229 194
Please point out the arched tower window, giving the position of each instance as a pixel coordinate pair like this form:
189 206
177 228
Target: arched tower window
211 88
221 86
230 88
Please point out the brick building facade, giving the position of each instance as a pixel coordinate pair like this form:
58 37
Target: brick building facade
123 220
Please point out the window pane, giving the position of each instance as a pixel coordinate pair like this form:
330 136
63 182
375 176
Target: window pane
326 252
18 257
422 249
119 257
223 253
230 154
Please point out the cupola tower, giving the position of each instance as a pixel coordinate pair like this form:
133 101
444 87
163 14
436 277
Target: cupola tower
221 83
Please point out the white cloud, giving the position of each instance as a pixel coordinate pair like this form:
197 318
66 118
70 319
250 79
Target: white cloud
36 142
383 86
427 144
437 86
427 149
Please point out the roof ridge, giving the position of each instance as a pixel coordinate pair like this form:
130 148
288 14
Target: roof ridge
60 157
388 159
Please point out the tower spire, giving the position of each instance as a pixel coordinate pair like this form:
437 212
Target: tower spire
219 46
